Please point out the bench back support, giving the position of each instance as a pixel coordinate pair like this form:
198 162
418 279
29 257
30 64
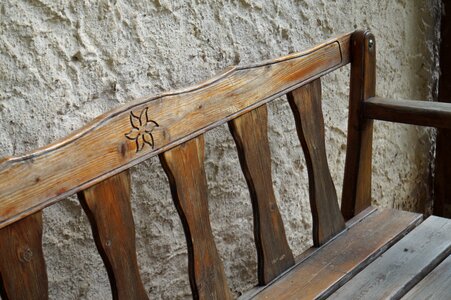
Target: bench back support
172 126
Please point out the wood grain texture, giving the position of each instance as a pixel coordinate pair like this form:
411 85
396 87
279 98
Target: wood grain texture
403 265
339 260
305 102
134 132
425 113
23 274
250 134
436 285
250 294
107 205
356 195
184 166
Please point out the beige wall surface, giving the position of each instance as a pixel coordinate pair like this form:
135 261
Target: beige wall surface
64 62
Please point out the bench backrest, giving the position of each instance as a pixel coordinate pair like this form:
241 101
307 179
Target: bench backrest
94 163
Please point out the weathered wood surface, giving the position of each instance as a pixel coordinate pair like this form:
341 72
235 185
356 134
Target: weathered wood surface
305 102
184 166
338 261
436 285
425 113
107 205
356 195
442 188
126 136
23 274
403 265
250 134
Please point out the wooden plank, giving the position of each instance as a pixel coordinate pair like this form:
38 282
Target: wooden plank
138 130
425 113
356 194
305 102
250 134
184 166
403 265
107 205
442 188
250 294
23 274
340 259
436 285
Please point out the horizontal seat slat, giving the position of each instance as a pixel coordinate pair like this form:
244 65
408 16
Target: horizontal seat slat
436 285
134 132
403 265
339 260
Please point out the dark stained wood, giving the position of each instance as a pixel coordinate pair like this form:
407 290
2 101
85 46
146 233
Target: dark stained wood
425 113
250 134
305 102
107 205
304 256
442 188
23 273
436 285
403 265
184 166
356 194
339 260
146 127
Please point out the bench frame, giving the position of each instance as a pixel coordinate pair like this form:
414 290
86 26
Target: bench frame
172 125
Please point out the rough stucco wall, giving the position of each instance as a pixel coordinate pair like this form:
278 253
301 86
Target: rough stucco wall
64 62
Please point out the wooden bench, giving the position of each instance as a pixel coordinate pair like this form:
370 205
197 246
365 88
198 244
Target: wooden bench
360 252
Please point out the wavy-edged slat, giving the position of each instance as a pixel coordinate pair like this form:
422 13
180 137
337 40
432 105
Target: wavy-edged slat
250 134
107 205
305 102
184 166
23 274
126 136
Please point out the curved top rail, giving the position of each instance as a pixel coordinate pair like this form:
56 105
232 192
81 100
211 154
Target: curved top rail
148 126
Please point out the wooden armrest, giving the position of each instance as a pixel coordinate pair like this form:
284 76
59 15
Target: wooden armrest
424 113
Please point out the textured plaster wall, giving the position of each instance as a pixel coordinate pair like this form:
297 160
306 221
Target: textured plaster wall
64 62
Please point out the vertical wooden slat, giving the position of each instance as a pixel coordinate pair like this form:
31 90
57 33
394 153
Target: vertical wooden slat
357 177
305 103
107 205
185 170
23 273
251 138
442 188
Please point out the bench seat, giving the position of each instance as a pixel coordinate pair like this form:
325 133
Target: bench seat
321 271
359 251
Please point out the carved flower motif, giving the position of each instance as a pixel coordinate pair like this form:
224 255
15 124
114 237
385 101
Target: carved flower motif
142 129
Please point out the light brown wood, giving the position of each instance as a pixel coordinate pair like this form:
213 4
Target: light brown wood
339 260
305 102
126 136
107 205
403 265
425 113
436 285
356 195
184 166
23 273
250 134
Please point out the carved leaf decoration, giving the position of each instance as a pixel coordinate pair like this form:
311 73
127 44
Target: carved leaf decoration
141 131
